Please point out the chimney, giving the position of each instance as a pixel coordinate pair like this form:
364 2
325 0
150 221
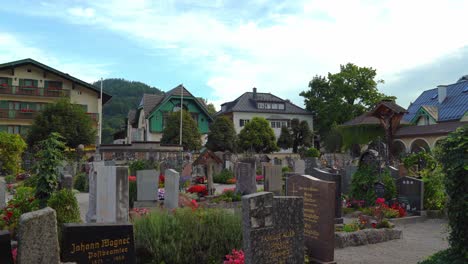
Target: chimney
441 93
254 90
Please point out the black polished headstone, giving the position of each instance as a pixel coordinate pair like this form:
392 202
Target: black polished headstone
5 248
379 189
411 191
98 243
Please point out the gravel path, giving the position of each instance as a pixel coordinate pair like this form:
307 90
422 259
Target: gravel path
419 241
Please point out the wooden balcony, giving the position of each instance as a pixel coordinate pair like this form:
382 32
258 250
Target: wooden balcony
18 114
33 91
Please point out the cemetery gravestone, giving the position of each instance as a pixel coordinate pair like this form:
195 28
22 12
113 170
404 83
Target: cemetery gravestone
379 189
273 229
310 164
112 194
92 183
2 194
5 248
411 190
273 179
347 176
147 185
245 176
319 214
336 178
171 189
299 167
98 243
67 182
37 236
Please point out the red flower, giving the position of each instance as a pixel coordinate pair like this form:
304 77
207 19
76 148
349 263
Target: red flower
374 225
380 201
194 204
161 178
200 189
236 257
259 178
231 181
132 178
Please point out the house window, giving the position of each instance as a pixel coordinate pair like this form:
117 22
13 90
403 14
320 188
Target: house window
274 106
281 106
14 129
3 82
195 117
53 85
267 106
28 83
243 122
260 105
165 117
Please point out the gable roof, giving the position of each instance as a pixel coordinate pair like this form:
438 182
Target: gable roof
149 102
18 63
247 103
452 108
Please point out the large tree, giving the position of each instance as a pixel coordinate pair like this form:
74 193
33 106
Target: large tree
301 134
342 96
65 118
285 140
191 137
258 136
222 135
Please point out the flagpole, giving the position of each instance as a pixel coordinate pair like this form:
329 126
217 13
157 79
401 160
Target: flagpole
181 110
100 117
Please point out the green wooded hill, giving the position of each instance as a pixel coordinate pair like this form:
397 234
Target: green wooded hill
126 95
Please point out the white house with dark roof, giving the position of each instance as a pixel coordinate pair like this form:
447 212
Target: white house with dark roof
279 112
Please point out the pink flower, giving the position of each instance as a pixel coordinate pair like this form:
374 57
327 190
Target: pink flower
14 252
131 178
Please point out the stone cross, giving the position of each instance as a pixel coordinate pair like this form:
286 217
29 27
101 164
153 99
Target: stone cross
37 238
171 189
319 214
273 229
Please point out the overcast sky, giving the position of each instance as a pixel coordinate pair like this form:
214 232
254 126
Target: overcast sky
221 49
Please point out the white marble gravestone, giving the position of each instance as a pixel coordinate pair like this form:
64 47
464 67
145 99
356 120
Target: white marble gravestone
147 185
171 189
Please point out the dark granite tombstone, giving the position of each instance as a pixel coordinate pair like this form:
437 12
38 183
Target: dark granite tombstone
394 172
245 176
336 178
310 165
273 229
319 208
411 192
5 248
98 243
379 189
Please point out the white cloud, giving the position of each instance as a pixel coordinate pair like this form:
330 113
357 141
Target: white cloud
14 48
279 51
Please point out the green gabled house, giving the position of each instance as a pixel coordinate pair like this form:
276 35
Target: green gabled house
146 123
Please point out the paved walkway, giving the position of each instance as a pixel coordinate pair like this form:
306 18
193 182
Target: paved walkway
419 241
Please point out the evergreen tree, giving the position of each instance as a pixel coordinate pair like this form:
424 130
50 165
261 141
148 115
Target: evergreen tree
222 135
191 137
285 140
258 136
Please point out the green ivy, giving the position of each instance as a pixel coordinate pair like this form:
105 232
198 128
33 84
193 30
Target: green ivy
453 156
411 162
66 206
362 185
49 157
434 189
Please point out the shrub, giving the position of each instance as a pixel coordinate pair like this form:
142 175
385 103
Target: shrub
453 156
223 176
11 149
351 227
9 179
434 189
22 202
137 165
81 182
383 224
286 169
49 158
228 195
66 206
362 185
31 181
312 153
447 256
187 236
390 186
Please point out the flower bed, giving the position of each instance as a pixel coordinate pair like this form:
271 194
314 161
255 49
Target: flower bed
365 236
